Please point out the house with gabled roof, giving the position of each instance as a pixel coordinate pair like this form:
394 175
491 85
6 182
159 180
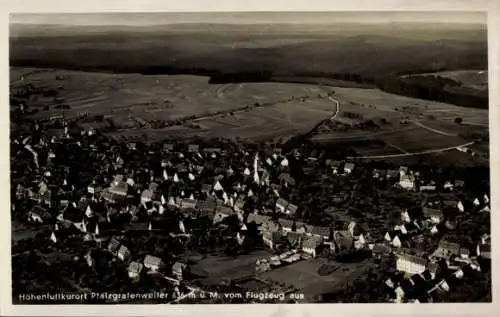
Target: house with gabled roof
343 240
291 209
434 215
123 253
348 168
446 250
295 238
188 203
281 205
179 269
222 212
206 207
113 246
135 270
153 263
271 238
320 232
310 245
285 224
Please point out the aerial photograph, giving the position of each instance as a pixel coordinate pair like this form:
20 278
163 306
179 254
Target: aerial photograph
249 157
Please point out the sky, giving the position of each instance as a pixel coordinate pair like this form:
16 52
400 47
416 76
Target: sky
145 19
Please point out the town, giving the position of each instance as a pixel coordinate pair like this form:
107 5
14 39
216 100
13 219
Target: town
192 217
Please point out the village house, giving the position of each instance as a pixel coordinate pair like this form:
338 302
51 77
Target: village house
433 215
178 270
311 245
285 224
348 168
257 219
410 264
321 232
222 212
286 180
271 238
206 189
379 249
168 147
193 148
153 263
464 253
334 165
123 253
187 203
113 246
407 182
484 250
134 270
343 241
281 205
206 207
295 239
446 250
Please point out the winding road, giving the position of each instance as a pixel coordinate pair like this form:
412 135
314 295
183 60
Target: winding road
423 126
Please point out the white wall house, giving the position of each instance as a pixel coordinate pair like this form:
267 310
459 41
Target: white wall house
410 264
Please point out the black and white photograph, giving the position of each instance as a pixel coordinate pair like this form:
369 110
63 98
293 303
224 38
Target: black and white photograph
249 158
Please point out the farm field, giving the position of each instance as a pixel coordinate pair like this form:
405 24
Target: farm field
384 104
151 97
131 99
304 276
214 269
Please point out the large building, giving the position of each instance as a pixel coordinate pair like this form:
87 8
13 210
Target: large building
410 264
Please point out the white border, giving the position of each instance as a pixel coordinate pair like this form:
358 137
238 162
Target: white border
306 310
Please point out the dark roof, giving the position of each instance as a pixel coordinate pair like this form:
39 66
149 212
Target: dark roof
271 235
258 219
454 248
206 205
113 245
138 226
73 214
285 223
432 212
292 208
312 242
343 239
293 237
321 231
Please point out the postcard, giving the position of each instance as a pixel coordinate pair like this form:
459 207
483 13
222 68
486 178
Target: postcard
217 161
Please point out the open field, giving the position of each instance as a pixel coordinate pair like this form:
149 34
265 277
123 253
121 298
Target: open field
386 103
132 101
214 269
304 276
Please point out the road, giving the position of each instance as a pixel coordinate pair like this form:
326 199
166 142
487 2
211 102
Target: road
411 154
337 110
331 118
420 124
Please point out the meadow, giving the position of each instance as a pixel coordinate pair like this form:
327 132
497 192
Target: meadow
192 107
